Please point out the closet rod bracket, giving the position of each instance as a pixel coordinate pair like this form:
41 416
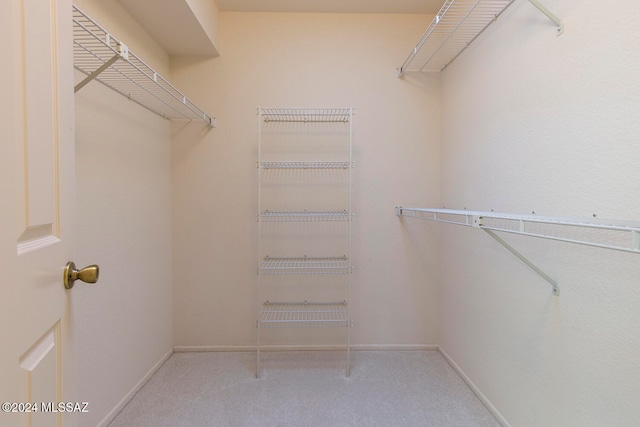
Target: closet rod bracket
122 52
549 15
96 73
545 276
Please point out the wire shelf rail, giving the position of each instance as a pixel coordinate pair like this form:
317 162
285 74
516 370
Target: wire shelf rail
305 265
268 216
616 235
101 57
304 314
306 115
305 165
456 25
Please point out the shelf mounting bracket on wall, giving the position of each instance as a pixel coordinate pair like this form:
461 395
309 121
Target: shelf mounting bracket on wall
545 276
549 15
474 220
96 73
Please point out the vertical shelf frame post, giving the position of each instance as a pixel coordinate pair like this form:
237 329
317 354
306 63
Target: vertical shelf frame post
259 281
350 220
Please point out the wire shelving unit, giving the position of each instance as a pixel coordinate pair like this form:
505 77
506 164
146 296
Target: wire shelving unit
304 125
615 235
456 25
99 56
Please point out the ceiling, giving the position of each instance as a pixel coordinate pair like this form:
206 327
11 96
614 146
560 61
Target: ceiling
332 6
174 24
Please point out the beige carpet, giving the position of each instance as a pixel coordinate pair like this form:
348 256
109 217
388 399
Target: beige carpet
386 388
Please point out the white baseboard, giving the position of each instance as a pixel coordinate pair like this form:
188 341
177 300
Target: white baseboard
485 401
394 347
212 348
354 347
120 406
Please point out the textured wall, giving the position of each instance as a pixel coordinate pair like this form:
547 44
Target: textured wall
535 122
122 324
294 60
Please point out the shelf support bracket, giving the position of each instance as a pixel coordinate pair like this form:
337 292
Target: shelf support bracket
96 73
545 276
549 15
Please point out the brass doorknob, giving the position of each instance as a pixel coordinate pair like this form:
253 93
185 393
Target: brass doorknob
88 274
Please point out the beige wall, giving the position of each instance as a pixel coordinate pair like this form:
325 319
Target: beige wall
535 122
529 122
305 60
206 11
122 324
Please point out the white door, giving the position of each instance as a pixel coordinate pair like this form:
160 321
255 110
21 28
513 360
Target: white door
36 211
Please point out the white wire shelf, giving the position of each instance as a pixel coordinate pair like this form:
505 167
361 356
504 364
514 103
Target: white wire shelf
304 265
306 115
304 314
268 216
305 165
101 57
616 235
454 28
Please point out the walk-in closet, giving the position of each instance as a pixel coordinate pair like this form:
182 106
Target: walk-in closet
340 212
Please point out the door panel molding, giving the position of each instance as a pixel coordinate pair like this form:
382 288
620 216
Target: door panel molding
40 143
